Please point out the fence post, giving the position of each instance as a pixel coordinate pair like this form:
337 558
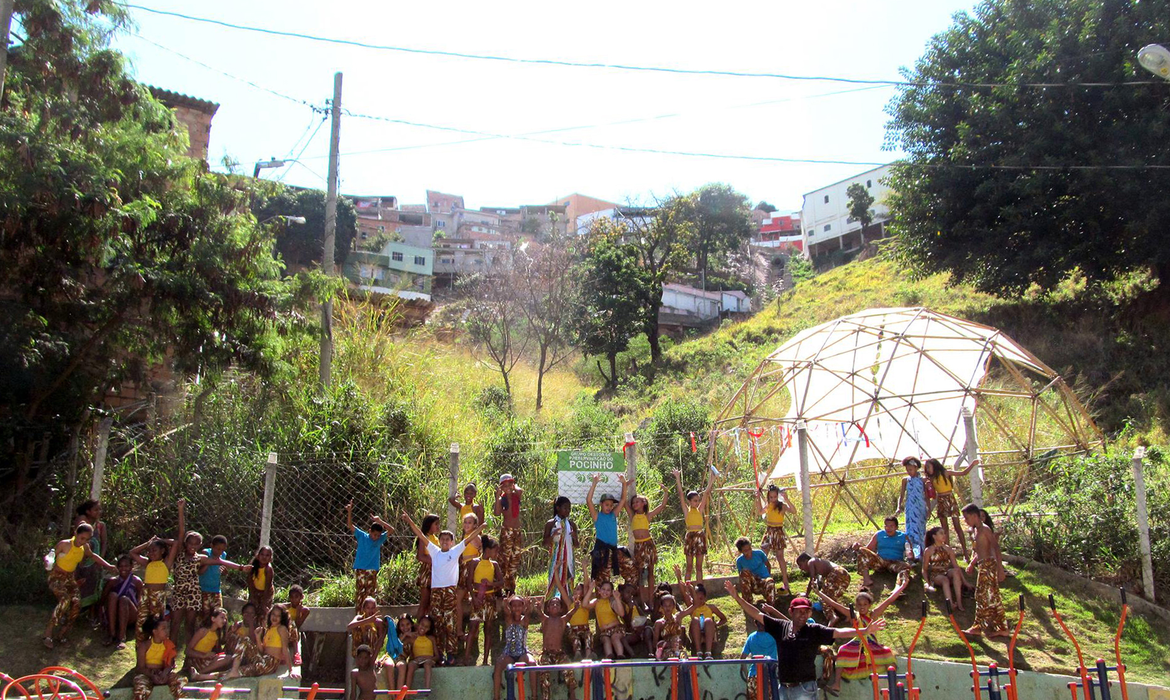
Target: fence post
631 472
99 457
74 448
269 493
972 452
453 491
805 485
1143 518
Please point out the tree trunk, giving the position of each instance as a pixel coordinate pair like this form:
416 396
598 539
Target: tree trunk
613 370
507 384
540 376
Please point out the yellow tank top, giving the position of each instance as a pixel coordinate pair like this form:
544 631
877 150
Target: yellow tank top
639 522
261 580
485 572
70 560
581 617
694 519
423 646
156 573
466 509
272 637
605 614
293 614
434 540
469 552
704 610
242 631
155 653
943 484
208 642
773 517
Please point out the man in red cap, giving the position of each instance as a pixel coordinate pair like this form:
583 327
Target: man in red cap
798 642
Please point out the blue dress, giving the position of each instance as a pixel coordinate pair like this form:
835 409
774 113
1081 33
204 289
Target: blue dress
916 514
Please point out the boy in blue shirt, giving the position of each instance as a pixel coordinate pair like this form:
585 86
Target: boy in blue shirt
604 558
210 568
755 577
760 643
368 557
886 551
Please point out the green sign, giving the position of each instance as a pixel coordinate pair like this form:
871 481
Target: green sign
575 470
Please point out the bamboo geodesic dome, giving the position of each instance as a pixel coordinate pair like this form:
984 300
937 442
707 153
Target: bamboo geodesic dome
873 387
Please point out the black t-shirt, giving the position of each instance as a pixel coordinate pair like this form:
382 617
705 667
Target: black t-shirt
797 652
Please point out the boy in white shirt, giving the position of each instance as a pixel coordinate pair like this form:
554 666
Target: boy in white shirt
444 580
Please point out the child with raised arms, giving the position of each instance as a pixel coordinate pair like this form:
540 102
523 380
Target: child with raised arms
774 507
483 578
157 562
694 505
853 663
367 558
507 505
645 552
554 619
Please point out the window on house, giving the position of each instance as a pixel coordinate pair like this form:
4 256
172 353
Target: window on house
447 261
420 260
828 227
826 199
366 271
441 224
396 257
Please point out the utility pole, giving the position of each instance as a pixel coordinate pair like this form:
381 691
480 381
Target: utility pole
330 233
5 24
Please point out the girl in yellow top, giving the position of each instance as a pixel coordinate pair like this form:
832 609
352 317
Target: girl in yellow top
608 609
157 561
430 526
261 587
68 555
773 507
202 657
470 551
483 578
468 505
944 489
645 552
156 661
298 612
694 506
422 651
703 621
580 636
272 641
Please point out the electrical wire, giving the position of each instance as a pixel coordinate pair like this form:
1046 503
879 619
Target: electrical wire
617 66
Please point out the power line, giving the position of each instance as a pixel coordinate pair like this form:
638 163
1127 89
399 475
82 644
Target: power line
618 66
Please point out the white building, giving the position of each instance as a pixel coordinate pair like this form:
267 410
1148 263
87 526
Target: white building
825 222
630 217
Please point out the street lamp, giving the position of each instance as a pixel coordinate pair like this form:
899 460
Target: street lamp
1156 59
287 219
265 164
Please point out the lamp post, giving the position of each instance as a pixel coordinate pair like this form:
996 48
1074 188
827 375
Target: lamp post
1156 59
265 164
287 219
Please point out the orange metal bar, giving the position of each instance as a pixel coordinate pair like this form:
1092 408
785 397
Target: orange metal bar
694 683
760 680
873 677
1073 687
1011 686
1117 646
608 684
312 691
912 690
520 682
1086 684
974 664
673 684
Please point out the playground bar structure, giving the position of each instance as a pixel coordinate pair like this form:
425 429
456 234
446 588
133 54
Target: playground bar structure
681 670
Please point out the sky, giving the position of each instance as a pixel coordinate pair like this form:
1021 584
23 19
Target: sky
589 114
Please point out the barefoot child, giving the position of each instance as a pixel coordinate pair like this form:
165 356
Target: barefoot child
158 560
211 568
516 619
944 489
203 658
261 582
271 644
444 582
367 559
554 620
298 613
507 504
580 634
468 505
703 624
68 555
668 631
484 579
156 661
694 507
608 609
422 652
186 597
912 501
940 568
366 627
989 612
645 552
120 598
561 539
754 576
774 507
363 681
853 663
826 577
603 559
886 551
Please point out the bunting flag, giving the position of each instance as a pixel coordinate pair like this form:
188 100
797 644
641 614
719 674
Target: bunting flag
694 447
753 437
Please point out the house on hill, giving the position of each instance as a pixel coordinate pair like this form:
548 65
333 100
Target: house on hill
685 307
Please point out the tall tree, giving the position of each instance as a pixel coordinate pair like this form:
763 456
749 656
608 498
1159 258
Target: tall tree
613 300
1019 184
118 252
663 240
547 290
300 245
723 224
860 201
495 320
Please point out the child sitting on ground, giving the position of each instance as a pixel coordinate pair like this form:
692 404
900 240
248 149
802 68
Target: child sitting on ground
580 634
940 568
703 622
668 631
203 660
516 619
826 577
554 619
853 662
156 661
